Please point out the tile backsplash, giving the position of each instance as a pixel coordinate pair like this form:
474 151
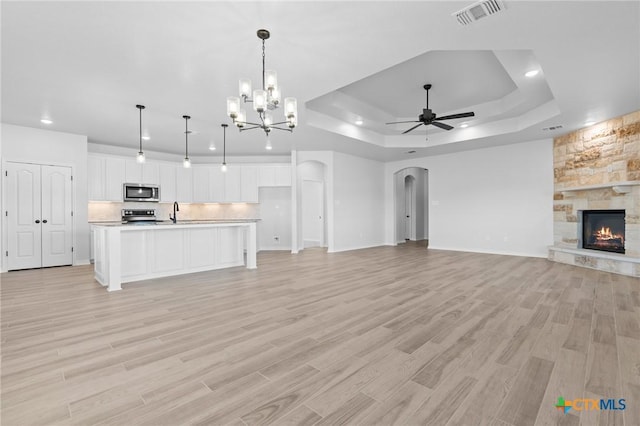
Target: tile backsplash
107 212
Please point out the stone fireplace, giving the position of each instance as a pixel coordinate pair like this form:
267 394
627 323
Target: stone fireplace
597 197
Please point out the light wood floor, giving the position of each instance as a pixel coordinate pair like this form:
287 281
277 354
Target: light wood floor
389 335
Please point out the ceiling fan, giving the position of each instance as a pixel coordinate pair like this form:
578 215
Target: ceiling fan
429 117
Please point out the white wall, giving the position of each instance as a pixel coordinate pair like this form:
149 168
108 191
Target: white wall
30 145
493 200
275 218
358 202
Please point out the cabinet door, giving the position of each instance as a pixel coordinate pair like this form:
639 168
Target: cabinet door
168 193
232 185
184 185
217 179
150 173
283 175
133 171
95 179
249 184
114 176
266 176
201 184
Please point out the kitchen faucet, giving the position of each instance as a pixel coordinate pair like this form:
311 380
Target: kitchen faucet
176 208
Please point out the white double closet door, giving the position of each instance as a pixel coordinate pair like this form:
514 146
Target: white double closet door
39 215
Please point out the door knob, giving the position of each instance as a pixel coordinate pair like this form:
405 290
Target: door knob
37 221
44 221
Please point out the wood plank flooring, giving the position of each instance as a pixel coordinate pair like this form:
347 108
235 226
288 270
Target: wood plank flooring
388 335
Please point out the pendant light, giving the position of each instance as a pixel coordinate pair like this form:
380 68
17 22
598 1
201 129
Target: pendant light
224 147
186 163
140 157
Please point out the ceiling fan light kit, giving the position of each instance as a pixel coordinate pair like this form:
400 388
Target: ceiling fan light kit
264 99
429 117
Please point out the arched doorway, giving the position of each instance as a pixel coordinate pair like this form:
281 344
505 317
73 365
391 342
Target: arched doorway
411 194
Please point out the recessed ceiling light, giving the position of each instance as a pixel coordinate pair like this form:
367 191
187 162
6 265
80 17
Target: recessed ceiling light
463 125
359 121
145 138
531 73
46 121
589 123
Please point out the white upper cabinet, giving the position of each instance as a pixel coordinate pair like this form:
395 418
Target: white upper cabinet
274 175
114 174
198 184
95 179
133 172
249 184
232 185
216 184
201 184
167 180
184 185
150 173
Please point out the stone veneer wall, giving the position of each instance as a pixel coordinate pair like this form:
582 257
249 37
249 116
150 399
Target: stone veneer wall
588 163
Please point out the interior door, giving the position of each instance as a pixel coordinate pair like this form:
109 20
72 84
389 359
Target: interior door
57 222
23 216
408 207
312 213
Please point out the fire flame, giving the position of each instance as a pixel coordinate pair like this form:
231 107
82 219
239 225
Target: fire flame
605 234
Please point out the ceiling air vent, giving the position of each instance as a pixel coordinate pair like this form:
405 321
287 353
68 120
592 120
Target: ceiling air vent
559 126
478 10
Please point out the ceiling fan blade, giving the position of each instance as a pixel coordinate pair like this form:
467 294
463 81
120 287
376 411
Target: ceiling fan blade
400 122
441 125
452 116
407 131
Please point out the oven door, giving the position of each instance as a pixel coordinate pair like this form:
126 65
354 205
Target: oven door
141 192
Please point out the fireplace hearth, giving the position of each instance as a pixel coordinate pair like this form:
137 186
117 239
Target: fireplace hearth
603 230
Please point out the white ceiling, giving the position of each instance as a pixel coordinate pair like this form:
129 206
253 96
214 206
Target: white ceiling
86 65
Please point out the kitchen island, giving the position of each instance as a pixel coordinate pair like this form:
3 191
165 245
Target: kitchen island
125 253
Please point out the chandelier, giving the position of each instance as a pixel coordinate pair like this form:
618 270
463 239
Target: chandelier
264 100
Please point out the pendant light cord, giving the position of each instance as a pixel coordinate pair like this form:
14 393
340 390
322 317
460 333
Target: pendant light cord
186 136
263 62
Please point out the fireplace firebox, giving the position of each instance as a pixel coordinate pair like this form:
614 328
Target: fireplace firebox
603 230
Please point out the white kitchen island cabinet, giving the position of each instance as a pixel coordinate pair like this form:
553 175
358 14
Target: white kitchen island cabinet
126 253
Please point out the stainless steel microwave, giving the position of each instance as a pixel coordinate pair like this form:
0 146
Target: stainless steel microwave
140 192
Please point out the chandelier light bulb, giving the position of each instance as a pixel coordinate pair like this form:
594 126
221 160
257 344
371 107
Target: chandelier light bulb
268 119
259 100
186 163
290 107
268 146
241 120
140 158
233 106
274 95
223 168
244 87
270 79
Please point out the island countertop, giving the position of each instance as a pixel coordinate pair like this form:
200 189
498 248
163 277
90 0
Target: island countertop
170 223
132 252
